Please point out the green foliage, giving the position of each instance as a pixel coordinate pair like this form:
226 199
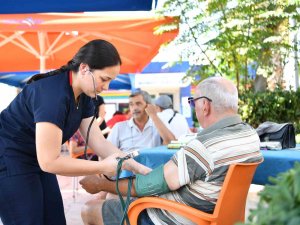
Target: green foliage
279 203
278 106
226 36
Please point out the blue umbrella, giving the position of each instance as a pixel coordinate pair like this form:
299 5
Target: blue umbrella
122 81
19 79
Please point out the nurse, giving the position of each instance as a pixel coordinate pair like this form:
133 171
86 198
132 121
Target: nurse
45 114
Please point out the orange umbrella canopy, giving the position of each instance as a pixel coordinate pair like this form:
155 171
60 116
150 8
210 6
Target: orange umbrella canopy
48 41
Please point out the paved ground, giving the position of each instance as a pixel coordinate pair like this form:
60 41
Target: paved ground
73 205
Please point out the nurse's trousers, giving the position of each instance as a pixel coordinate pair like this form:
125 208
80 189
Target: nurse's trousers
32 198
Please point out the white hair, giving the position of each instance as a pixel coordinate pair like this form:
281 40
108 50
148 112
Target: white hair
222 92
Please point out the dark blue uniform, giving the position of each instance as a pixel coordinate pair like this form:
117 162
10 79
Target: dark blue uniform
27 194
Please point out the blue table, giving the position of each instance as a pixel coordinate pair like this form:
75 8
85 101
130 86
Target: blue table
152 157
274 161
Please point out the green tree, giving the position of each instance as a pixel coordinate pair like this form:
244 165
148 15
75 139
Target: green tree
228 36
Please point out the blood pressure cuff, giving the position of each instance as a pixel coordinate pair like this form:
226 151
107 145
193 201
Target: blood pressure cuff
154 183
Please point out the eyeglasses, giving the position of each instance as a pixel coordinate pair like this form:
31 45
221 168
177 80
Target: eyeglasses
192 100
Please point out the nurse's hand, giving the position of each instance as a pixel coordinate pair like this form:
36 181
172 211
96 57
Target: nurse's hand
110 164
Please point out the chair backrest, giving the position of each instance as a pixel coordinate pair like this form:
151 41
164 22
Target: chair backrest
230 207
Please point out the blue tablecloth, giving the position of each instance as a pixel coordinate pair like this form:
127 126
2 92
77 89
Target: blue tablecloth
152 157
274 161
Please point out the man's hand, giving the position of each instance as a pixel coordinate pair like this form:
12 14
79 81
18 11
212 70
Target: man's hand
135 167
151 110
92 184
162 129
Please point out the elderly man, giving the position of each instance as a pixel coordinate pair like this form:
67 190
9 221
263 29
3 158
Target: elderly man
195 174
173 120
144 129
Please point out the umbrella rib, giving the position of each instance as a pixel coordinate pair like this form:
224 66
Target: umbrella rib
100 35
26 79
14 36
7 39
27 44
137 24
121 39
6 76
67 43
122 81
127 60
131 42
83 39
48 52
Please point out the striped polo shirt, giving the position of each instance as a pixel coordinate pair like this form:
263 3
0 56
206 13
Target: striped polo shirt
203 163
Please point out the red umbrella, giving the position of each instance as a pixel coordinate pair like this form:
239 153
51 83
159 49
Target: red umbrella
47 41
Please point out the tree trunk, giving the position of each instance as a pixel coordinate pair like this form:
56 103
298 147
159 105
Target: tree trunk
276 79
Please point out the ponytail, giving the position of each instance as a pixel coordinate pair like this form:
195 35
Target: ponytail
70 66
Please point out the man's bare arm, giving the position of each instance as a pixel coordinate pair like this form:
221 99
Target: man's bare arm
163 131
95 184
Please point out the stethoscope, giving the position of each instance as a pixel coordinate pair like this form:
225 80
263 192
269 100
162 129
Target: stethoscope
96 111
125 204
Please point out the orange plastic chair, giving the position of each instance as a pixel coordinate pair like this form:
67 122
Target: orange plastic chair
230 207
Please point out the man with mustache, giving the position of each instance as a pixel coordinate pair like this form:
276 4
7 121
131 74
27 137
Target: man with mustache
144 129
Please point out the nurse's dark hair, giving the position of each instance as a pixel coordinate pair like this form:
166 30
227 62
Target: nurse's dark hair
97 54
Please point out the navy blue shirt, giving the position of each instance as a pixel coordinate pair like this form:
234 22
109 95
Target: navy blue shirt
50 100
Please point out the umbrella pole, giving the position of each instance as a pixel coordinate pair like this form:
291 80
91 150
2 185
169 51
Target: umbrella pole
42 64
41 38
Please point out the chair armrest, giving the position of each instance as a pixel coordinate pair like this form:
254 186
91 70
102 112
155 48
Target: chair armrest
192 214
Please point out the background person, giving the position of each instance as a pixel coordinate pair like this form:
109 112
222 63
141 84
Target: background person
76 147
33 127
173 120
144 129
101 117
195 174
118 116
